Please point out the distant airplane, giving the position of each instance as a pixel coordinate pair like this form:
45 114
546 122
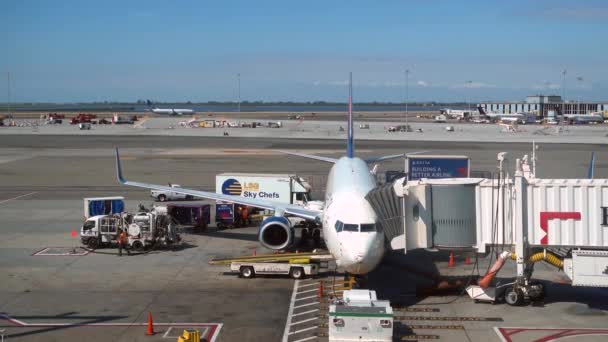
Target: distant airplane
521 118
169 111
459 114
597 117
350 224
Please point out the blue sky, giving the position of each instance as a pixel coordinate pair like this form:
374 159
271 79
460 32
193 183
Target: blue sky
63 51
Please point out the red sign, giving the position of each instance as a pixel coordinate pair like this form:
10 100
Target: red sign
545 216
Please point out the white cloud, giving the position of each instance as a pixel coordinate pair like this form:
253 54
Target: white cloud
473 85
546 85
423 83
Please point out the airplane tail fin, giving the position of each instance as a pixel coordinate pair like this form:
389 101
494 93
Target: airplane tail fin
350 143
481 110
591 166
149 103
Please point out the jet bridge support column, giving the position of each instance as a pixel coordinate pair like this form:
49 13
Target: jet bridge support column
521 223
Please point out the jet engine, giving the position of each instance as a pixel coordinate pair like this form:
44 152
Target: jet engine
276 233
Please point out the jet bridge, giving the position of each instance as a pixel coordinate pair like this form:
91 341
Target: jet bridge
565 220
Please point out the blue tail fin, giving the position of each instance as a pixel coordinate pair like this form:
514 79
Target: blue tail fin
591 166
350 147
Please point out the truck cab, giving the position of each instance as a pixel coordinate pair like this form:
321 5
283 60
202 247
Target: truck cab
101 230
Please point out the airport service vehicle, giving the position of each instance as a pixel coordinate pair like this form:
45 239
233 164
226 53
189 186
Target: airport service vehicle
94 206
163 196
144 229
284 188
441 119
400 128
195 214
459 114
349 222
591 118
121 119
295 270
360 316
84 126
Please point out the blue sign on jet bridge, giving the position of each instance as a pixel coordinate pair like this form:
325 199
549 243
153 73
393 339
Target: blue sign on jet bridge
418 167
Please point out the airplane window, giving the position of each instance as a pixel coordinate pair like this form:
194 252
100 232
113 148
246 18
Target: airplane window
351 227
339 226
368 227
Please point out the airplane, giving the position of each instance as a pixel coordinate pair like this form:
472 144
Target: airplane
169 111
350 224
596 117
456 113
521 118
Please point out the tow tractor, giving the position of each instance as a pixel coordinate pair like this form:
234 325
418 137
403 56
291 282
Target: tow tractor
296 265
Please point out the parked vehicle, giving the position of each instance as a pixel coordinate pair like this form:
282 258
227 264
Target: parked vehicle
163 196
294 270
285 188
400 128
196 215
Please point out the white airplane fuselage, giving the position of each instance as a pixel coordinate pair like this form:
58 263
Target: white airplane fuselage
358 250
172 111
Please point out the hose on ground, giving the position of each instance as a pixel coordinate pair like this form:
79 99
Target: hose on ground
548 257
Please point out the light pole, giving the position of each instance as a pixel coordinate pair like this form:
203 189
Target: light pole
578 101
8 93
564 91
466 100
407 89
238 78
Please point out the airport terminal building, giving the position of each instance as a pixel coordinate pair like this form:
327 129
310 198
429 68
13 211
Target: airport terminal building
545 106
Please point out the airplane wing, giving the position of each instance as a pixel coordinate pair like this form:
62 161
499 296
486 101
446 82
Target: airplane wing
394 156
257 203
310 156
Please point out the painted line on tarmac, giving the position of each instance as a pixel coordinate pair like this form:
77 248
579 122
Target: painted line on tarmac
304 298
313 290
18 197
294 292
303 330
304 313
306 339
213 327
304 321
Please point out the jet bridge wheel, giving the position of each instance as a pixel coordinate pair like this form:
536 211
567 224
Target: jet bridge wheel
514 296
247 272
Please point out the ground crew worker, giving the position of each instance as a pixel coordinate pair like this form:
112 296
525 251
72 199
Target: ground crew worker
245 216
123 242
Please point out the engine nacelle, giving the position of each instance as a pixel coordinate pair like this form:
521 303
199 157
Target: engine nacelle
276 233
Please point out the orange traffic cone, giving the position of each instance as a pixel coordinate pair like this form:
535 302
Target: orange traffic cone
320 290
150 330
451 262
467 261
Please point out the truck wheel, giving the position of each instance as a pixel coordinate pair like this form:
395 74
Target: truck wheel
296 272
93 243
514 296
162 198
137 245
247 272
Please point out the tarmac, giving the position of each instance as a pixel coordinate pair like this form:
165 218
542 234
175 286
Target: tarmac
100 297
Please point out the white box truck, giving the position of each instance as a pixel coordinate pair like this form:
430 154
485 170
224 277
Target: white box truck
283 188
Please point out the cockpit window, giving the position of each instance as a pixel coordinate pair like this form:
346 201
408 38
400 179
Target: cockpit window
339 226
351 227
368 227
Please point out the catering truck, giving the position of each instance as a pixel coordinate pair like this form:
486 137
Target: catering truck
283 188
